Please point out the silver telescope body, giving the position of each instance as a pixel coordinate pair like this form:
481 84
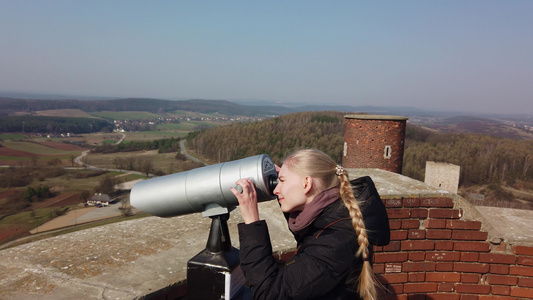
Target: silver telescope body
205 189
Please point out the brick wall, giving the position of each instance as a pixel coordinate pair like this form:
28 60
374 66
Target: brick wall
366 139
435 254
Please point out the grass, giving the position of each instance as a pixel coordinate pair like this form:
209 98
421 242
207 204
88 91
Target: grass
126 115
9 136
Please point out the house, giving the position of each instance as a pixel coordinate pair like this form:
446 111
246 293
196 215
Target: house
99 199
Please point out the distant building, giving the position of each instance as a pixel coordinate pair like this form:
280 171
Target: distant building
374 141
100 199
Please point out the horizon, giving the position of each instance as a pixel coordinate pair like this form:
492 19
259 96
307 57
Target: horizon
443 56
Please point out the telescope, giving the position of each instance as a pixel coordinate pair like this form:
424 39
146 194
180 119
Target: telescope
205 189
215 272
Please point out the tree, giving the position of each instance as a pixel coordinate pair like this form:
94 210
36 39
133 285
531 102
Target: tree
84 195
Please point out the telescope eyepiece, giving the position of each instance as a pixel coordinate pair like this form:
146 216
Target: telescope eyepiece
272 183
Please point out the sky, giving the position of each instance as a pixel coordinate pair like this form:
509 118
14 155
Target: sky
472 56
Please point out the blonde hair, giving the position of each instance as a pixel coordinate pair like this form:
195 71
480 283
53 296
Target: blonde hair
327 174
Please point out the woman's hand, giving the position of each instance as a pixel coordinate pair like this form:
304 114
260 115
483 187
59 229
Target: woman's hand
247 200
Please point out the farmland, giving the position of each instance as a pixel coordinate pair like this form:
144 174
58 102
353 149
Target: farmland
38 156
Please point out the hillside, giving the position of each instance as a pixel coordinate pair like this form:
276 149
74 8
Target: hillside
518 127
498 165
9 106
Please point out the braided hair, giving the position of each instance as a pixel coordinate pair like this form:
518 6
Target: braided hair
327 174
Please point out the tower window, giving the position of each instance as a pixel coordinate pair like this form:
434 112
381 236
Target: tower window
387 152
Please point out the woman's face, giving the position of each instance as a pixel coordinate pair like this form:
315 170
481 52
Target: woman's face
290 190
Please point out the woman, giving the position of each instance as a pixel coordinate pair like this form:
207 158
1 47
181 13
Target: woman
333 256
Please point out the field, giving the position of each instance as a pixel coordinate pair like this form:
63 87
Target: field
126 115
164 162
16 152
74 113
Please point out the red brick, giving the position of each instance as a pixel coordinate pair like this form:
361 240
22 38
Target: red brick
420 287
439 234
417 256
443 256
436 202
444 245
470 278
471 246
446 287
397 235
435 223
469 235
466 225
470 267
522 271
396 288
418 266
392 246
410 224
440 296
395 224
442 213
393 203
418 245
399 213
416 234
378 268
525 282
499 269
421 213
501 279
444 267
523 260
522 292
443 277
469 256
472 288
500 290
411 202
522 250
390 257
395 278
508 259
417 277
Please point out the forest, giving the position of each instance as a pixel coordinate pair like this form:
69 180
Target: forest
54 125
166 145
9 106
483 159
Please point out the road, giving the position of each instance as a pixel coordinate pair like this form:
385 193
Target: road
184 152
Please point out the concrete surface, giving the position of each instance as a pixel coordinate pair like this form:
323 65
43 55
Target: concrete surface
134 258
513 225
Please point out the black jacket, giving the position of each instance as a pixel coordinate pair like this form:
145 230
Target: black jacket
324 267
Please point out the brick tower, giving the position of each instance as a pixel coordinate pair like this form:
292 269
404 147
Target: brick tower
374 141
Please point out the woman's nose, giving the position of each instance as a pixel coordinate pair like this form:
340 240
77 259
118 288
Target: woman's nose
276 190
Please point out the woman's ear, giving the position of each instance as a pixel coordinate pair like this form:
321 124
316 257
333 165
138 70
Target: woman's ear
308 184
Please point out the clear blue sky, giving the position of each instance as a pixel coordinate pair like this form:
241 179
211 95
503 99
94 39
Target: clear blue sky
442 55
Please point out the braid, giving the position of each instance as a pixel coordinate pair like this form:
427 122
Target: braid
327 174
367 284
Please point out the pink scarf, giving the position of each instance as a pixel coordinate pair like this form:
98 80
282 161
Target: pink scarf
298 220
